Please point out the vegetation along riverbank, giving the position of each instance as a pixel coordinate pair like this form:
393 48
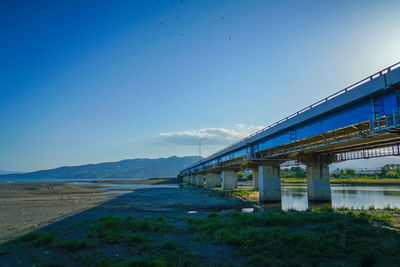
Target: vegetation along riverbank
352 180
386 175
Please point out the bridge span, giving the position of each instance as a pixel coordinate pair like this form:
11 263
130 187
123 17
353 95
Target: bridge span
359 121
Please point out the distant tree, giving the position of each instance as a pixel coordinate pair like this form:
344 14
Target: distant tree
398 171
342 172
241 175
350 172
383 173
286 173
298 172
392 174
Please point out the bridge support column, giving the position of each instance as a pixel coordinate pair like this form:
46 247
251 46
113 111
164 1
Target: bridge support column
317 173
212 180
229 180
219 180
318 183
269 177
199 180
255 182
192 182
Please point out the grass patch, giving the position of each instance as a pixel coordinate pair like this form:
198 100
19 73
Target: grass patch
169 245
4 252
293 180
74 245
303 238
38 238
236 193
52 264
112 230
134 239
322 236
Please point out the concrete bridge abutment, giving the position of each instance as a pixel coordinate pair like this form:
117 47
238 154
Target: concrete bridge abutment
317 173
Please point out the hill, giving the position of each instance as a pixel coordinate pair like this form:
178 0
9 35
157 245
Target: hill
130 168
6 172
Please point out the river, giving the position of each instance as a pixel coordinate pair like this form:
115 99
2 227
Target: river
350 196
293 196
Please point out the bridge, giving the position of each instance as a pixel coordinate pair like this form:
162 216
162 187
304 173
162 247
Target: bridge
359 121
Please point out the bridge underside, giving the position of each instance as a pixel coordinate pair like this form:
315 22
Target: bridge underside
334 143
360 121
316 152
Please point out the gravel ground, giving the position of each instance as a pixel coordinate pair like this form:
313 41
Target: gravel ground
29 206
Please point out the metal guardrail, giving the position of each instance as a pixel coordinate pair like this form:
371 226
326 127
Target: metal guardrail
348 88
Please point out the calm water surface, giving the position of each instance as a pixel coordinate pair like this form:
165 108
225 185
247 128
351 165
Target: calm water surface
351 196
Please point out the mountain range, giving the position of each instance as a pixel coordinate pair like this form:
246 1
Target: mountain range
129 168
6 172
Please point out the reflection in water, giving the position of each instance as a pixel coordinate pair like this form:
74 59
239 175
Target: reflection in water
357 197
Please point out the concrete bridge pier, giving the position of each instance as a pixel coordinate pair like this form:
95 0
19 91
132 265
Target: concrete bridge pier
200 180
317 173
213 179
269 180
255 182
192 182
229 180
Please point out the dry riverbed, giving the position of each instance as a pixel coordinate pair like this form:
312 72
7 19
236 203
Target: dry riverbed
25 206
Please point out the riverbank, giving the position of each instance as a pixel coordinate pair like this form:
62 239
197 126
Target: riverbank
26 206
198 227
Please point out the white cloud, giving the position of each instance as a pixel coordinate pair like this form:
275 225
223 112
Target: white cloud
215 136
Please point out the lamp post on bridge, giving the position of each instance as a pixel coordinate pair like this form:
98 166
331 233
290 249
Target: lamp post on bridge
202 139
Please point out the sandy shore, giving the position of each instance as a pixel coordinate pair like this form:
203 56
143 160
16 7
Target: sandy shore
25 206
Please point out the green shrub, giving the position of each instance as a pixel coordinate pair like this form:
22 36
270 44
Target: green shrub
212 215
4 252
169 245
159 262
134 238
38 238
74 245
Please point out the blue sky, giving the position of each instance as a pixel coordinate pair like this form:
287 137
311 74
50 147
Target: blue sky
93 81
